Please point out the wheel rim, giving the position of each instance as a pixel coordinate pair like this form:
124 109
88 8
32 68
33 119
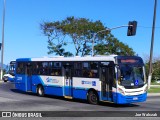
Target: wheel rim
40 91
93 98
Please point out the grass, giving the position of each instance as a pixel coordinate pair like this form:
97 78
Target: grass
154 83
154 90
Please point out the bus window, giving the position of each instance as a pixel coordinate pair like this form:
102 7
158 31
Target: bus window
20 68
39 68
34 68
131 76
90 69
44 68
55 69
85 69
94 69
78 69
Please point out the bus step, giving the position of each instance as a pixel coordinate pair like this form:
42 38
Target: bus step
29 91
107 101
68 97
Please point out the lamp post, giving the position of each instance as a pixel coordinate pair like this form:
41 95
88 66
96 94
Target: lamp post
151 49
2 44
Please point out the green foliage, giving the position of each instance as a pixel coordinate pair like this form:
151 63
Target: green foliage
155 69
79 32
58 49
112 45
154 90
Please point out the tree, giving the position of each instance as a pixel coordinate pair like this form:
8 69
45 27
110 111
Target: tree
79 32
155 68
56 37
112 45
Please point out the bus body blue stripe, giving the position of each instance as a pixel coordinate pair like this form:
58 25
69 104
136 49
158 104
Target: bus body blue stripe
76 92
121 99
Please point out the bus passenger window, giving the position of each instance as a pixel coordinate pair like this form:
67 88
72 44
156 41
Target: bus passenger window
34 68
85 73
55 69
45 68
78 69
85 68
20 68
93 69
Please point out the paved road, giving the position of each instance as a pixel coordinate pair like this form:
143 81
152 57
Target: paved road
14 100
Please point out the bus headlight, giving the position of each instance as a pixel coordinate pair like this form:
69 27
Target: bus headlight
121 91
146 89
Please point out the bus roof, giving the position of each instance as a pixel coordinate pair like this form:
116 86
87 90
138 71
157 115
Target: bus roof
113 58
76 58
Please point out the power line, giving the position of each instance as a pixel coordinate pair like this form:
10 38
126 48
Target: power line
148 27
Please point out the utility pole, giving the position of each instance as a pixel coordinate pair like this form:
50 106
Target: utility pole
152 43
2 44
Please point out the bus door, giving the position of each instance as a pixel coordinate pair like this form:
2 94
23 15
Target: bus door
28 77
68 80
107 77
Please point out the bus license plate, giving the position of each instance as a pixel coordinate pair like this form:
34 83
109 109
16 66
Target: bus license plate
135 98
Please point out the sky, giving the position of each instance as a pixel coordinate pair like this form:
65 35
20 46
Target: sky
23 36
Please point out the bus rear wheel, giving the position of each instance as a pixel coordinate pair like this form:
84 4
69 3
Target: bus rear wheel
92 97
40 90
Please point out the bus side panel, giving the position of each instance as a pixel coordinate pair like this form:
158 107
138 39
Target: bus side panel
52 84
82 85
20 82
35 81
34 88
114 95
80 93
54 90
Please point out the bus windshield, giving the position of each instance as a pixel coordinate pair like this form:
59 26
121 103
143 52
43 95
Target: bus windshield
131 75
11 69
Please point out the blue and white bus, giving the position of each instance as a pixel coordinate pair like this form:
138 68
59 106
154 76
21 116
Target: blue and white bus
116 79
10 75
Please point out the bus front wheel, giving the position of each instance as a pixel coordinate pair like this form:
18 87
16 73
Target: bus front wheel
92 97
40 91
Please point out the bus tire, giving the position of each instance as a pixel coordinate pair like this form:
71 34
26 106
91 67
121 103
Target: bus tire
40 90
92 97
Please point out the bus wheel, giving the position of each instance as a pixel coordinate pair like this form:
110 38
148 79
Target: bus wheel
92 97
40 91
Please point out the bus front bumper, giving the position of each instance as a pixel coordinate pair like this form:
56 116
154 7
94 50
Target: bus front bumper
121 99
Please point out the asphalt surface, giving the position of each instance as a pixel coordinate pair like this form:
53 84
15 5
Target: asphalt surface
17 101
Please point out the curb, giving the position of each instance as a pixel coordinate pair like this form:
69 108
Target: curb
154 94
1 81
154 85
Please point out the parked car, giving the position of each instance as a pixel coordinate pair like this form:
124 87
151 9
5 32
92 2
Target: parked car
5 77
8 77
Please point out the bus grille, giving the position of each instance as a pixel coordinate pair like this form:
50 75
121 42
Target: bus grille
131 98
133 91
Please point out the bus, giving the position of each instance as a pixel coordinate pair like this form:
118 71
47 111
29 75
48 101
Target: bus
10 75
113 78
